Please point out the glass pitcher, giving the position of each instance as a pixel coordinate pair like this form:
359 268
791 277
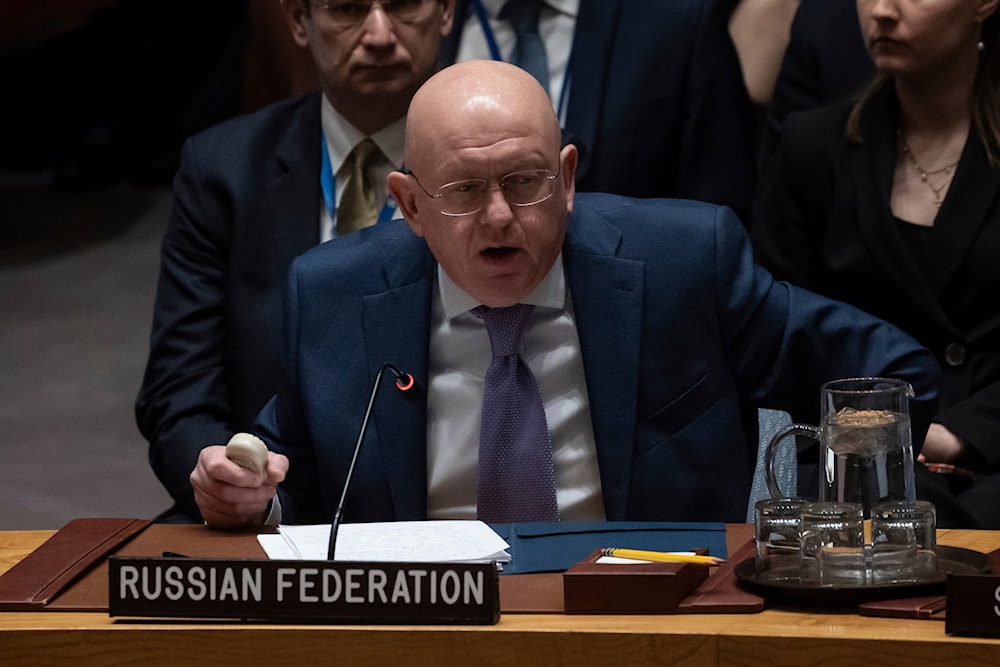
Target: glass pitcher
866 450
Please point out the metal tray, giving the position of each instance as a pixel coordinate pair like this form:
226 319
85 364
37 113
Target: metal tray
950 560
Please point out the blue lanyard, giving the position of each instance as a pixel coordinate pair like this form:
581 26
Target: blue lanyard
328 181
491 42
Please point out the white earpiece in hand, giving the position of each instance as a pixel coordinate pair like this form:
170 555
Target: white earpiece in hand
248 451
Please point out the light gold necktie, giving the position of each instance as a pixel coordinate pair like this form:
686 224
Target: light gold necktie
358 207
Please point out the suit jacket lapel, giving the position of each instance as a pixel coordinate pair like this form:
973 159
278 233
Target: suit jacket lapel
964 211
596 25
873 165
293 193
607 295
399 420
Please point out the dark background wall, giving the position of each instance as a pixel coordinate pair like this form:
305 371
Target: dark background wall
96 97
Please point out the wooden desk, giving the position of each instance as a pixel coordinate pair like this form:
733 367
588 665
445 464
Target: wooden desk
774 637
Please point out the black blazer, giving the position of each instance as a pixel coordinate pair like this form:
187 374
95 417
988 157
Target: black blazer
824 223
657 105
246 202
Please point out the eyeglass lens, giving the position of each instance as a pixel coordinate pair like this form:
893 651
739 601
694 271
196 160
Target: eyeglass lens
522 188
353 13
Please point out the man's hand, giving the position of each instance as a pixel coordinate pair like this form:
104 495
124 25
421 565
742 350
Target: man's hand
230 496
941 446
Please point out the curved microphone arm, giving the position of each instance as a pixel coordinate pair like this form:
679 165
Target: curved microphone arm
404 382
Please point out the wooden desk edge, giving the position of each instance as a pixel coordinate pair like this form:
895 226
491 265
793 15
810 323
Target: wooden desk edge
583 640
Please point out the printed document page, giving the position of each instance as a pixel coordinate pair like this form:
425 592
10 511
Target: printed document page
400 541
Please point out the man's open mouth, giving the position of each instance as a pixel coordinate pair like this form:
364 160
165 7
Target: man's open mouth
499 252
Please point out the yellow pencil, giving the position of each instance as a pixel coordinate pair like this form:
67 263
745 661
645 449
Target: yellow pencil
661 556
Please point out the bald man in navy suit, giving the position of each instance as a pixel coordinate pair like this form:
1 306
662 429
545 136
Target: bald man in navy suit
651 331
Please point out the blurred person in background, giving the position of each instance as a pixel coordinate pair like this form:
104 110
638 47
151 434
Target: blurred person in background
892 203
253 193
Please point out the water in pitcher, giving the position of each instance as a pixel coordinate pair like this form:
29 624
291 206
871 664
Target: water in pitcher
869 458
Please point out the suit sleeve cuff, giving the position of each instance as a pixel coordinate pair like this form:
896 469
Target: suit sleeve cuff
274 512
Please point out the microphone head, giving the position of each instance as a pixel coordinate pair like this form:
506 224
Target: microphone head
409 387
405 382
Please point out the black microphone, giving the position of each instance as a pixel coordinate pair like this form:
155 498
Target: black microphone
404 383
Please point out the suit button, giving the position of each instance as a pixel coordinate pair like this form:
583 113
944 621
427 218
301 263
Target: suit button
954 354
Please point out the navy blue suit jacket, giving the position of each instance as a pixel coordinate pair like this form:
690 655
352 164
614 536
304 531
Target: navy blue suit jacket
657 106
680 332
246 202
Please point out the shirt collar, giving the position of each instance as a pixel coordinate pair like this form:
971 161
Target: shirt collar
550 293
568 7
342 137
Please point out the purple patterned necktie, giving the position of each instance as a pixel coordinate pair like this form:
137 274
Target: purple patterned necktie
517 480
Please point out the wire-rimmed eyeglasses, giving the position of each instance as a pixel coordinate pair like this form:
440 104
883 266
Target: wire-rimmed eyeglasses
347 14
519 188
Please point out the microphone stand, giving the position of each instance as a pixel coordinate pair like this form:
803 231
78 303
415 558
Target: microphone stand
404 382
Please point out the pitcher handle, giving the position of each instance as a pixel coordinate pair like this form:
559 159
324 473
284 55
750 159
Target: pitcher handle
771 454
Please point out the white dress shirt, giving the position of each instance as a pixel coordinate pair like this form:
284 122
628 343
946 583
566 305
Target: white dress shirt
460 354
341 138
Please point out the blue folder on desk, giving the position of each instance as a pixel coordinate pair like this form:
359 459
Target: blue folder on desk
557 546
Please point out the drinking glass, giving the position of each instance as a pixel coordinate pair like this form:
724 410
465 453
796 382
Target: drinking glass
833 545
777 523
904 542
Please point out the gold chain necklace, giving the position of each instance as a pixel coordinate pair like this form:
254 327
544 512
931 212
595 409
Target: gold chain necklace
948 170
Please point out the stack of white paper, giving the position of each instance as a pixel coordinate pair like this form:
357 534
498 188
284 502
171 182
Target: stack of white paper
399 541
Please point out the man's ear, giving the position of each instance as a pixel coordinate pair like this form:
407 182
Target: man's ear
402 188
568 157
986 9
295 14
447 17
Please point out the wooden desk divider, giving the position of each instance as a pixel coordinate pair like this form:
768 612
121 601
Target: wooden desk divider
63 559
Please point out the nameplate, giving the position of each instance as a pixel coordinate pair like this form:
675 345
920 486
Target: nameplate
973 605
305 591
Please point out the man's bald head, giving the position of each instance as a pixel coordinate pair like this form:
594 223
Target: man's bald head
483 99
